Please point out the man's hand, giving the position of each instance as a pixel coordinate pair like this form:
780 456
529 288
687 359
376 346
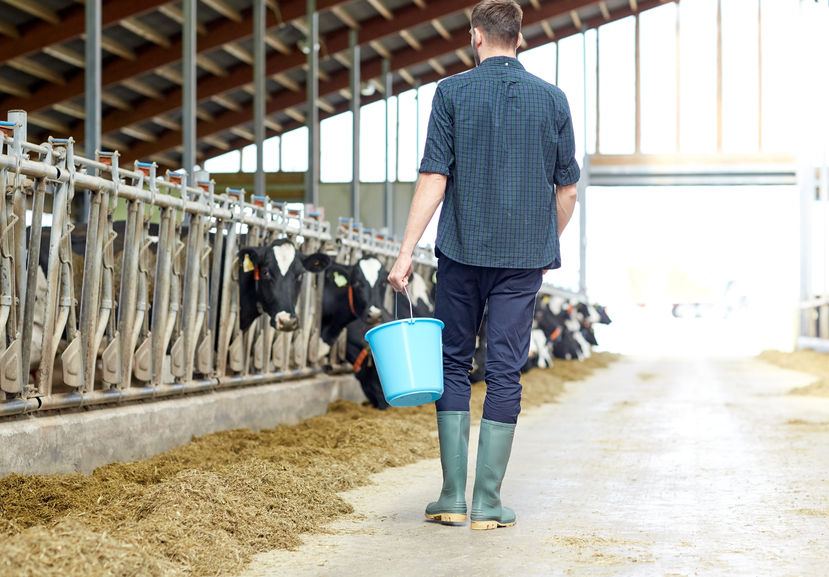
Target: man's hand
400 272
566 197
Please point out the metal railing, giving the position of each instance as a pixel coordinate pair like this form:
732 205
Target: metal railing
157 317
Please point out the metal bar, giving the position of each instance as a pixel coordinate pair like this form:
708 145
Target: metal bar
117 396
259 17
638 86
188 74
313 115
355 123
677 77
760 75
35 169
92 86
719 76
417 126
598 92
388 208
584 180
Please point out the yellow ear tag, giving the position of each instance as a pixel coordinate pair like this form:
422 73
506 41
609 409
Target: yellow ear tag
340 279
247 264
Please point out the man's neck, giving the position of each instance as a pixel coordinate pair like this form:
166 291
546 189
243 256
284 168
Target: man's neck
496 53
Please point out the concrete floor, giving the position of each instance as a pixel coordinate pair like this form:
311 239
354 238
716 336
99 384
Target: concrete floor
650 468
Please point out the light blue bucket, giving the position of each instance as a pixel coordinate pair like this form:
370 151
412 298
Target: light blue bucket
408 354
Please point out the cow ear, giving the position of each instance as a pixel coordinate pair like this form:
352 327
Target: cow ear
340 276
249 259
316 262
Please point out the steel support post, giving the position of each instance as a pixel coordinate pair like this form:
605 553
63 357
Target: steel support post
92 87
188 74
312 187
584 181
353 38
388 207
259 17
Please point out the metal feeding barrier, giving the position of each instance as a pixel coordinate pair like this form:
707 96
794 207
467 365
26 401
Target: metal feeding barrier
149 311
151 307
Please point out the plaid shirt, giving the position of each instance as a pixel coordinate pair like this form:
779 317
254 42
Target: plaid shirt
504 139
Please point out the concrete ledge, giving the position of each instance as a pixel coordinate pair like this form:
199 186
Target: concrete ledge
83 441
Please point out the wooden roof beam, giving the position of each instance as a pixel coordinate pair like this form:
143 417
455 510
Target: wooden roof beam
36 69
225 9
70 25
36 9
146 32
151 57
381 9
8 29
239 53
65 54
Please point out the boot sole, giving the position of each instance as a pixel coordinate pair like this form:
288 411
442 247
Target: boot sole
489 525
447 518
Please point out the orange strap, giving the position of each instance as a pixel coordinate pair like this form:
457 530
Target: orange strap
256 273
555 334
361 358
351 301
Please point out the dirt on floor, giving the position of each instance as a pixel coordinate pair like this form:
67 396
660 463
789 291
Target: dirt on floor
811 362
205 508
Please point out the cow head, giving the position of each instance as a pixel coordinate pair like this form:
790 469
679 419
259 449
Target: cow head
358 290
269 282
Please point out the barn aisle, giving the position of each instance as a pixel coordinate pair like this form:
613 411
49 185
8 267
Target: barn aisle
651 467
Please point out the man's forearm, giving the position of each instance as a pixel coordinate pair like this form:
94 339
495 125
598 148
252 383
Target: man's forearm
566 204
427 198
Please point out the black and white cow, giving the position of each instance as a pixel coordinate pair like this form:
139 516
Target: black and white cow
353 300
352 292
270 278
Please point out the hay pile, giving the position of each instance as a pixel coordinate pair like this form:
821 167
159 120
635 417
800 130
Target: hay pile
207 507
811 362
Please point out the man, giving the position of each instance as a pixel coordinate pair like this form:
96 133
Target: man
500 156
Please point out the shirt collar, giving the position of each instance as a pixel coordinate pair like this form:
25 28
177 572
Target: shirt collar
504 61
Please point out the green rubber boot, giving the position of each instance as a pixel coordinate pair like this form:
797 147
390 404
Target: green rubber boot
453 434
494 446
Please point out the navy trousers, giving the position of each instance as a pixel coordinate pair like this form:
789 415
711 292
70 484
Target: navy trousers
462 294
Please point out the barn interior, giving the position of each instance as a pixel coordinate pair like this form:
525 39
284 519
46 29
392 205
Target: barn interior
147 143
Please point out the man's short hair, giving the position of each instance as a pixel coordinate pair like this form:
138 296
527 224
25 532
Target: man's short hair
500 20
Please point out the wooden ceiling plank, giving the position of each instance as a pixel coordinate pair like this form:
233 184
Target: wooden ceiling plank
146 32
142 88
381 9
36 69
65 54
225 9
36 9
239 53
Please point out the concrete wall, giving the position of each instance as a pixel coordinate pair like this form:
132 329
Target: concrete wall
336 198
82 441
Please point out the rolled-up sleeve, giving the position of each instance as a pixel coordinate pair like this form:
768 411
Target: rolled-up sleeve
439 153
567 169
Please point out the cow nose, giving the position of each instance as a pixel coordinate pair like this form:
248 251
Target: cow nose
373 315
286 322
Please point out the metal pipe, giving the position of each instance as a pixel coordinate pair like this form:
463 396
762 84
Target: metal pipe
92 86
188 74
36 169
354 42
312 189
259 17
388 208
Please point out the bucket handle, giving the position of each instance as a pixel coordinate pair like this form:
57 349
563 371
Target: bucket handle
411 309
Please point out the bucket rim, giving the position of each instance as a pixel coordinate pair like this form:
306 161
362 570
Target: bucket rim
420 320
